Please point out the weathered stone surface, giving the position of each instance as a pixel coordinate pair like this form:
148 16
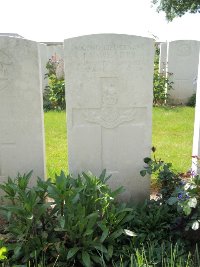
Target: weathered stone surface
183 58
43 57
55 50
109 106
21 114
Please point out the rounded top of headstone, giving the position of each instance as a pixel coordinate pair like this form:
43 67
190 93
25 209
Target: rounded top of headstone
5 39
105 36
184 41
16 35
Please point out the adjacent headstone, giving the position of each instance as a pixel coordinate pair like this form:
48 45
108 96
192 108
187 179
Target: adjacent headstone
163 58
109 107
183 58
21 114
196 137
43 62
55 50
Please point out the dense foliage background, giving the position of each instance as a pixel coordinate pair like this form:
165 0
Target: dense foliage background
177 8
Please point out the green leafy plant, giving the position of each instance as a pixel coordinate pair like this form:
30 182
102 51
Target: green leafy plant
54 95
72 221
88 218
28 218
78 221
182 196
187 198
152 220
161 86
167 178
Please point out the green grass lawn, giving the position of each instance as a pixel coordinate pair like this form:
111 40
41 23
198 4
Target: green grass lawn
172 137
56 145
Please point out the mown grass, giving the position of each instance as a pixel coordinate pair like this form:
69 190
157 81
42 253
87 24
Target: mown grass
56 145
172 137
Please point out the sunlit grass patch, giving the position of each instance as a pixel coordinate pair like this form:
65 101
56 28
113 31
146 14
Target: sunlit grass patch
173 135
56 142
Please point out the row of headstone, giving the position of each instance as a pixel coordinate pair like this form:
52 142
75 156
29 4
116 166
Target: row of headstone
180 59
109 108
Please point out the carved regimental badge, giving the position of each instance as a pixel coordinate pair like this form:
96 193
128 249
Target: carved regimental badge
109 115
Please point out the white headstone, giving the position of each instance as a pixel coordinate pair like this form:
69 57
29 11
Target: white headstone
43 62
163 58
183 58
21 115
109 107
196 136
55 50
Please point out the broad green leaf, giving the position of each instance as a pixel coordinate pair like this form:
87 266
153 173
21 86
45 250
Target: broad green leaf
107 178
124 210
86 175
97 259
86 258
102 175
61 181
110 251
102 226
101 248
116 234
88 232
92 215
72 252
104 235
91 223
118 191
127 219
